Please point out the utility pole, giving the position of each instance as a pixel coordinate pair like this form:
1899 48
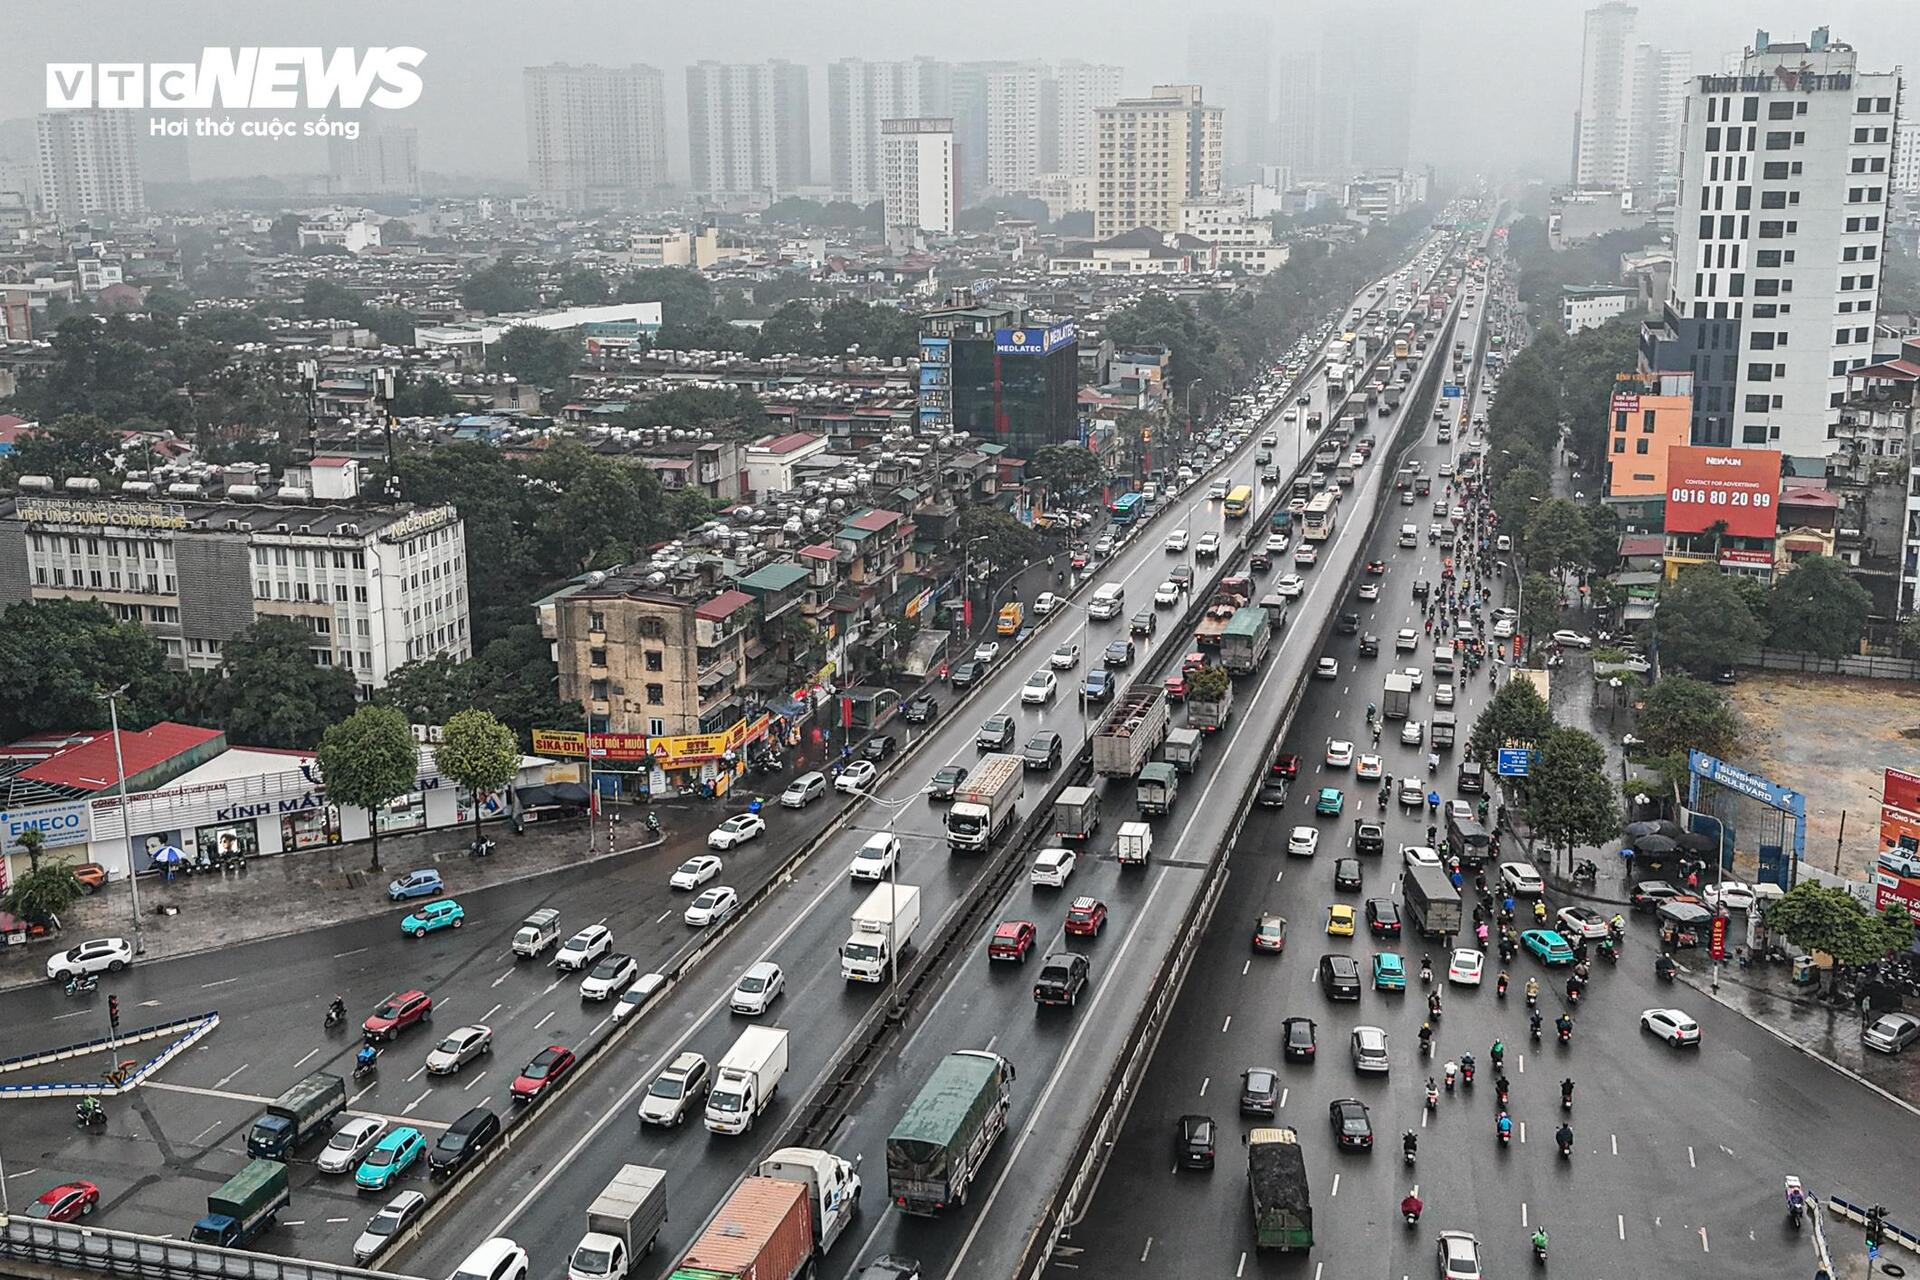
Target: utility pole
126 819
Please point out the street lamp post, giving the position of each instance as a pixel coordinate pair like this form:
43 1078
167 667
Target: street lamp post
126 819
1190 386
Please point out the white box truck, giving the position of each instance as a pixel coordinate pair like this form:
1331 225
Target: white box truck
883 929
983 806
622 1224
833 1188
748 1077
1135 844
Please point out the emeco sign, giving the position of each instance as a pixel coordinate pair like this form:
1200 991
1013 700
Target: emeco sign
58 824
268 79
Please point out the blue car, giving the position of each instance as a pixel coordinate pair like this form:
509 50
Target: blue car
390 1159
444 914
1331 801
1389 972
424 883
1548 945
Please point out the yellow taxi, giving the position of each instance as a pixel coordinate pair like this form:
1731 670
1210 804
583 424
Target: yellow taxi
1340 920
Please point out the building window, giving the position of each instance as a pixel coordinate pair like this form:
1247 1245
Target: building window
1757 404
1779 111
656 695
656 661
596 621
598 690
1779 141
1759 373
1640 446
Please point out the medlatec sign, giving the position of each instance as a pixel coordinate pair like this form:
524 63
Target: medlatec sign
1032 342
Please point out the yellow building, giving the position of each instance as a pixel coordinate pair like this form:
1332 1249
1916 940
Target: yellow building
1151 156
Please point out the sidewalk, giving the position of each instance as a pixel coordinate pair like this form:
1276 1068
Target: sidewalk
329 886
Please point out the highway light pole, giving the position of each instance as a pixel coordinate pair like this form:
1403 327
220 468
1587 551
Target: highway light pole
126 818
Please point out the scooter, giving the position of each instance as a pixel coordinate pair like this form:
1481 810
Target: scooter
653 824
1796 1202
82 984
86 1116
1566 1035
365 1066
336 1014
1539 1253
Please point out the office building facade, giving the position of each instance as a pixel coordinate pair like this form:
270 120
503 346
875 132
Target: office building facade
596 136
1632 94
749 128
90 165
988 372
1152 156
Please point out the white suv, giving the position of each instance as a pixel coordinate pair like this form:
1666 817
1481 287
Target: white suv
1051 867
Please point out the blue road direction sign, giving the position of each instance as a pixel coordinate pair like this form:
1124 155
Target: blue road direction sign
1514 762
1451 390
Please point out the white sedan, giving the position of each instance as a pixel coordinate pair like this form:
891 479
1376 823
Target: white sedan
96 955
1208 546
758 988
1303 841
1039 688
1572 640
1520 878
1671 1025
1406 640
1735 896
1420 855
1046 602
1417 676
1290 586
1276 543
1412 731
350 1143
1503 629
879 855
1306 556
460 1047
1177 540
986 651
1443 695
1166 594
857 776
1065 658
695 872
736 830
1464 968
712 907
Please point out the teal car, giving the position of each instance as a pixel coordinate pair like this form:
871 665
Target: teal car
390 1159
443 913
1389 972
1332 800
1548 946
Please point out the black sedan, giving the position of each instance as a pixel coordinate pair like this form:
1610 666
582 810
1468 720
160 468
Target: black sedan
1119 654
1193 1139
1273 793
1383 917
1352 1126
965 675
1259 1091
921 708
1297 1036
946 780
878 747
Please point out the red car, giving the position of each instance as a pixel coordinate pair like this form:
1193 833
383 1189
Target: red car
1192 663
1078 560
1087 916
1286 765
397 1013
1177 688
1011 940
548 1067
1376 567
69 1202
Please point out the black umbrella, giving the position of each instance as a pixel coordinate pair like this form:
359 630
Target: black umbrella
1655 844
1698 842
1647 828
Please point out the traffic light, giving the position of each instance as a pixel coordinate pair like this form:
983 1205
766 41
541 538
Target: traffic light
1876 1225
113 1010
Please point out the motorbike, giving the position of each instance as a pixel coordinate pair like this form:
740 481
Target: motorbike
336 1014
1586 872
1566 1145
1433 1097
87 1113
1500 988
1540 1251
82 984
653 824
1566 1035
1796 1202
1664 969
1506 1134
365 1066
482 848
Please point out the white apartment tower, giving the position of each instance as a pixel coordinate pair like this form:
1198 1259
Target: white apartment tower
1152 156
1785 170
596 136
90 164
1233 54
1906 158
1022 118
1080 90
1627 132
919 176
860 96
378 162
749 130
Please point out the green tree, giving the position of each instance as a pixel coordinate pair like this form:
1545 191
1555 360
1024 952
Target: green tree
1067 469
57 655
43 893
1703 622
392 325
1558 536
322 299
284 234
1816 608
1539 611
685 296
33 843
71 446
1679 714
504 286
1519 489
544 357
584 287
513 677
730 409
478 753
1008 543
1603 539
792 329
270 692
1817 918
1516 715
424 397
230 325
1569 798
366 760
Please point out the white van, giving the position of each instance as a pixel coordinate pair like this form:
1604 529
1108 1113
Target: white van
1107 601
1409 535
1443 660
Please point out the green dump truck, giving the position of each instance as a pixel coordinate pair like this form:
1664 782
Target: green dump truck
1277 1180
302 1112
244 1206
940 1143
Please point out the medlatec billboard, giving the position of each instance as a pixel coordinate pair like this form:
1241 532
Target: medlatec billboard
1738 486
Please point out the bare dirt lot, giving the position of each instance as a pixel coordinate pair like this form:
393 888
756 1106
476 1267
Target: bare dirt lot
1830 738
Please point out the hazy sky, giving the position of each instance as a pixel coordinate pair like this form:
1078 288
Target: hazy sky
1497 85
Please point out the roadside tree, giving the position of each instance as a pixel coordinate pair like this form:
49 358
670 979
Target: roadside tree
1568 797
478 753
43 893
366 760
1539 611
270 694
1703 622
1516 715
1816 608
1817 918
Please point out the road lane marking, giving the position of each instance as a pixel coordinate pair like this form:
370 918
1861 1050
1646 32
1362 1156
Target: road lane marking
149 1004
1614 1138
1243 968
1620 1224
227 1079
205 986
1690 1163
1336 1187
1223 1029
24 1172
408 1109
1704 1246
503 977
1203 1086
342 955
1149 1249
204 1132
489 1013
663 917
1523 1213
310 1053
476 1080
544 1021
294 1222
333 1221
1242 1267
992 1040
553 986
417 1071
77 1013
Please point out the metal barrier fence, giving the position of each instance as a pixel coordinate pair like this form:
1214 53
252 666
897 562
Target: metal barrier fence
65 1247
1864 666
186 1032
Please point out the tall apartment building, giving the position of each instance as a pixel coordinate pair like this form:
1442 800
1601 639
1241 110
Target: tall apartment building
1364 114
918 175
1023 126
1296 110
1906 157
749 129
375 586
861 95
378 162
1081 89
596 136
1626 134
1784 175
90 164
1233 54
1154 154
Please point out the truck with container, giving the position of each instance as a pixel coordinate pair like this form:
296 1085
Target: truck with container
883 927
1130 732
244 1206
1397 697
536 933
1440 731
1394 395
303 1112
748 1077
1183 747
983 805
1228 599
1156 789
1433 904
1076 813
1135 844
833 1188
763 1232
1243 645
622 1224
1277 1183
1209 698
936 1150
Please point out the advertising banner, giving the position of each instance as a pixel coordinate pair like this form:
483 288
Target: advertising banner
1738 486
1032 342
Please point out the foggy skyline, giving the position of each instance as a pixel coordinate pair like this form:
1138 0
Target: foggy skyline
1497 83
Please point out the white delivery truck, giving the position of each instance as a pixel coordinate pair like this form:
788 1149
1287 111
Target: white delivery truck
833 1188
622 1223
1135 844
536 933
883 929
748 1077
985 804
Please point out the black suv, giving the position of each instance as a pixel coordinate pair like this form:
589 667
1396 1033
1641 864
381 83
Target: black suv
1062 978
1340 977
1297 1039
1369 645
1370 838
1348 624
1383 917
1193 1139
921 708
996 733
465 1141
1259 1091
